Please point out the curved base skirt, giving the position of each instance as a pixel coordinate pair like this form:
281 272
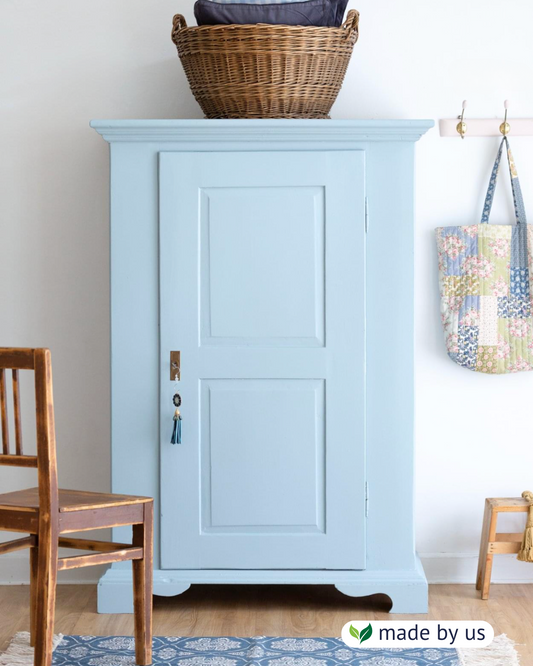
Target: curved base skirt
407 589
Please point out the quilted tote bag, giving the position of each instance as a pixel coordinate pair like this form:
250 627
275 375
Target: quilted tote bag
484 281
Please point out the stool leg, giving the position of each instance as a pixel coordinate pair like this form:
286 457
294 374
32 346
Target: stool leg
483 544
487 569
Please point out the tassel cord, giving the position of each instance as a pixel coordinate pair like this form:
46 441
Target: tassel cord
176 431
525 553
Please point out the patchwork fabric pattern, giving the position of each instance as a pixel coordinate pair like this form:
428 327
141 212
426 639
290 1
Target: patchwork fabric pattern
467 346
513 306
488 320
461 285
230 651
486 282
519 281
487 361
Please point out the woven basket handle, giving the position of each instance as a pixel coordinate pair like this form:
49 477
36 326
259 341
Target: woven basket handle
352 21
178 23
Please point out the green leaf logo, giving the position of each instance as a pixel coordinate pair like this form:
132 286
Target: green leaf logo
354 632
362 635
365 634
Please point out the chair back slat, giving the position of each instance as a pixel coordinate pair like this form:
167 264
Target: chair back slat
3 410
19 358
18 461
38 360
16 405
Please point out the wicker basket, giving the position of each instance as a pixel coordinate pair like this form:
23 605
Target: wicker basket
265 71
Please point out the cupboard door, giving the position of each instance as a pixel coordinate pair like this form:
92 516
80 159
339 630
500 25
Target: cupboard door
262 272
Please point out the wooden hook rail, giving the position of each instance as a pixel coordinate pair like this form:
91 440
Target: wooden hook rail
464 127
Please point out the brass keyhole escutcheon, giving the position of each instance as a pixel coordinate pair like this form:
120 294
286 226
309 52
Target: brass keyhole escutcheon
175 365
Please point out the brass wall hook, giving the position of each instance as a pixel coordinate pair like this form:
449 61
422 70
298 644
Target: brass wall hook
461 125
505 128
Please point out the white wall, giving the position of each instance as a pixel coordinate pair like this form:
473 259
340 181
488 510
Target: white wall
63 63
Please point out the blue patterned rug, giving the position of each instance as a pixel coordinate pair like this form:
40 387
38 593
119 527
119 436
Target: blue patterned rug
228 651
258 651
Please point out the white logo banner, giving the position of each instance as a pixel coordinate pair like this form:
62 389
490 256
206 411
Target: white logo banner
416 634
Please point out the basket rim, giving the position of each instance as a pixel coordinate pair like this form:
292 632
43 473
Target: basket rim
349 26
271 26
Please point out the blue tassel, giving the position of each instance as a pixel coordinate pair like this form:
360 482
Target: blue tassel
176 432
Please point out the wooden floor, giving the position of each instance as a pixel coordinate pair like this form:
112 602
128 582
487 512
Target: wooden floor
273 611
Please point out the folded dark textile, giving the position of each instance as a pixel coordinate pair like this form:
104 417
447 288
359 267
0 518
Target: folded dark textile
326 13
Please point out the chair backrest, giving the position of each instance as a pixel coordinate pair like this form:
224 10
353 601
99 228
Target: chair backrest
12 360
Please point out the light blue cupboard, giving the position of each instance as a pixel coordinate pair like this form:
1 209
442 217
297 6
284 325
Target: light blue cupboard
276 257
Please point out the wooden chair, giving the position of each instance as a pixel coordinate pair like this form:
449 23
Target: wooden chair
48 514
497 543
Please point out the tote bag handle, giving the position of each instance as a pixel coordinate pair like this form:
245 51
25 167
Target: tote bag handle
519 209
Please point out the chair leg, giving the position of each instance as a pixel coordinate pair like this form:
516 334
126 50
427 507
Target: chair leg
45 597
142 587
34 555
483 544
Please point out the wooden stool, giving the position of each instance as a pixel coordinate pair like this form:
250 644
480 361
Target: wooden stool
497 543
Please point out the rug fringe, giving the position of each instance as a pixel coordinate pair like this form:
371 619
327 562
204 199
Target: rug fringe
501 652
19 651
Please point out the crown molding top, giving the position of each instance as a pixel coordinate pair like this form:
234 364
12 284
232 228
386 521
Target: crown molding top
262 131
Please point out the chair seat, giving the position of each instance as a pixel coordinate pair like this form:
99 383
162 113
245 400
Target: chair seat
69 500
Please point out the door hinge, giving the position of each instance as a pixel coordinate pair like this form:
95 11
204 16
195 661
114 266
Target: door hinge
366 215
367 500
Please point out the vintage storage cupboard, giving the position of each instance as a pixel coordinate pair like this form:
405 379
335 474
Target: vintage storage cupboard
276 257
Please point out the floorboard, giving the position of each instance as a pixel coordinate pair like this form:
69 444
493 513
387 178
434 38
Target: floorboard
288 610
